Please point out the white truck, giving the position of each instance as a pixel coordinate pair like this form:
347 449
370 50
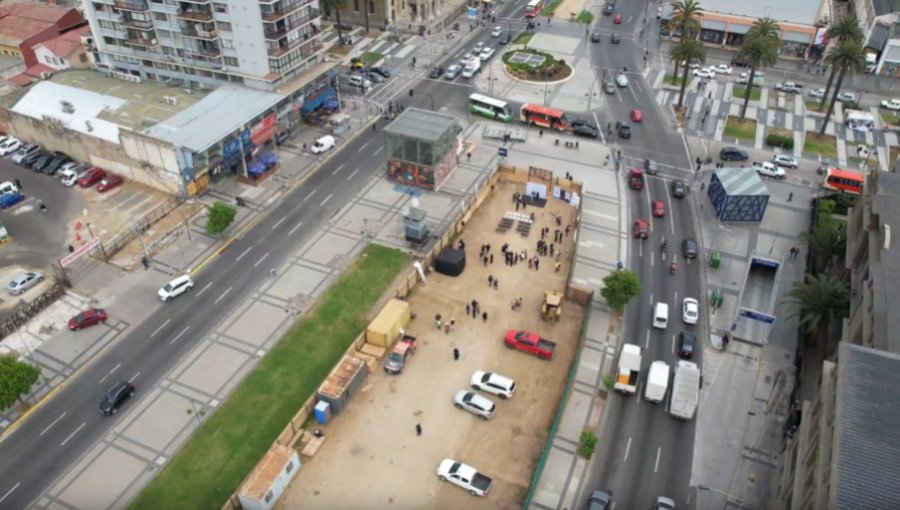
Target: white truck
472 67
657 382
629 369
891 104
464 476
685 390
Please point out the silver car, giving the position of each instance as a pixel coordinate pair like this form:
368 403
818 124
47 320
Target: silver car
475 404
24 281
452 72
785 161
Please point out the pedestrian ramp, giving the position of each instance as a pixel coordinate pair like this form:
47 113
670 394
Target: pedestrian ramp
501 132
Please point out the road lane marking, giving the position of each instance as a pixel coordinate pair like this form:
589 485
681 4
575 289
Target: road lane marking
338 169
647 340
51 425
674 336
73 434
203 289
258 262
351 175
311 193
381 148
244 253
627 449
295 228
326 199
16 486
222 296
278 222
183 331
599 127
159 328
363 147
110 373
658 452
134 377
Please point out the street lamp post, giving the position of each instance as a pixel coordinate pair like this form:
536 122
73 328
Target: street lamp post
591 94
739 501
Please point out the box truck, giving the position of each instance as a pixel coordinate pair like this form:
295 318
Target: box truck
629 369
657 382
685 390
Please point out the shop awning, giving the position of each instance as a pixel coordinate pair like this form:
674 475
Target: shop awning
798 37
734 28
711 24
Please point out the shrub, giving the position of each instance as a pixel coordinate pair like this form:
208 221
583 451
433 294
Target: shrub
587 443
776 140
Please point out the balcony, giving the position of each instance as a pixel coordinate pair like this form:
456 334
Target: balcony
283 10
282 49
207 35
136 6
141 41
198 2
277 33
201 15
137 24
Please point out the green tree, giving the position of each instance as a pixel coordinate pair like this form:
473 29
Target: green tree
760 49
846 29
686 19
687 50
619 287
335 6
219 218
827 242
819 301
846 56
16 379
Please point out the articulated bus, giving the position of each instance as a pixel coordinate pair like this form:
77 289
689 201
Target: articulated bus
490 107
541 116
845 181
533 8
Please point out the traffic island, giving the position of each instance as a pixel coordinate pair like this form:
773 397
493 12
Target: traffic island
820 145
740 129
739 91
535 66
674 81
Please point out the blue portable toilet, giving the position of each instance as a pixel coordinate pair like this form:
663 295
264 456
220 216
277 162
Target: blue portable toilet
323 412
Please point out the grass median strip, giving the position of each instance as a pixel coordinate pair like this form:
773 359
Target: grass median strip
741 129
212 464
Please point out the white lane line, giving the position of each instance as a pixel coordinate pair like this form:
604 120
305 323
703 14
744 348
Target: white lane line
203 289
674 336
363 147
295 228
647 340
110 373
159 328
222 296
676 297
671 216
16 486
351 175
52 424
658 452
627 449
338 169
244 253
73 434
134 377
311 193
599 127
326 199
258 262
278 222
378 151
183 331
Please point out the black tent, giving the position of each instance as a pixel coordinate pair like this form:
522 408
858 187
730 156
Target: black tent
450 262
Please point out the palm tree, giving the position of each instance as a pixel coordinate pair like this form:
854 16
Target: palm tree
847 29
335 6
826 241
687 50
819 301
760 49
685 18
847 56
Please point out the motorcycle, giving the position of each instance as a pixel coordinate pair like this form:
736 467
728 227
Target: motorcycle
673 267
240 202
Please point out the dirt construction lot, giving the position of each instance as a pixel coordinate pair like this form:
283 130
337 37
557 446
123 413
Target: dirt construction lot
372 457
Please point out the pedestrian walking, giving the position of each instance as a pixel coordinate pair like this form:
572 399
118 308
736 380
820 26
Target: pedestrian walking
496 283
418 429
540 133
18 184
455 354
517 205
146 262
484 316
556 267
468 156
790 196
702 186
447 328
537 263
491 258
490 280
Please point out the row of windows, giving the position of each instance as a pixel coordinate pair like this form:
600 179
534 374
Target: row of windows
371 6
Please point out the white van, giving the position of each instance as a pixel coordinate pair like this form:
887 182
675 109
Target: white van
472 67
176 287
322 144
8 187
660 315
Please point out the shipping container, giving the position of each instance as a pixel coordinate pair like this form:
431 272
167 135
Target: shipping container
342 383
386 326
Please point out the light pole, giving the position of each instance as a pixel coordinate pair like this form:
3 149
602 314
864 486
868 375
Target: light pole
591 94
739 501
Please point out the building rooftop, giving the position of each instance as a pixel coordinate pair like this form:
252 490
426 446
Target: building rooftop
802 12
867 416
214 117
741 181
63 45
20 21
421 125
74 108
884 263
882 7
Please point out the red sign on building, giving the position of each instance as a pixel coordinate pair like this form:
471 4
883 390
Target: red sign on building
263 131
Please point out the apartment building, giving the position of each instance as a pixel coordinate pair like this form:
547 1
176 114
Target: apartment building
262 44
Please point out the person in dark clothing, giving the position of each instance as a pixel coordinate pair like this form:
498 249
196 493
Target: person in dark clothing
418 429
484 316
455 354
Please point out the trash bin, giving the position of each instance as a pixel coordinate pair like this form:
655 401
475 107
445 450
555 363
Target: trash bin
716 299
714 259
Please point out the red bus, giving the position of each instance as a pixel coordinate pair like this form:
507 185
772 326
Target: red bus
534 8
536 115
845 181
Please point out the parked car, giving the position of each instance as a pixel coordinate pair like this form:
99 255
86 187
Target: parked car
478 47
721 69
452 72
497 32
58 160
69 175
28 159
686 344
704 73
689 248
41 162
690 310
600 500
9 145
846 97
322 144
622 80
109 182
817 93
475 404
651 166
8 187
585 130
789 87
659 208
615 38
91 177
436 72
115 397
87 318
23 151
24 281
10 199
175 288
733 154
679 188
609 87
608 8
595 36
637 115
494 383
664 503
891 104
785 160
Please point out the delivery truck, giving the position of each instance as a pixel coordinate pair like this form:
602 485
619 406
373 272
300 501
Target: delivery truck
629 369
685 390
657 382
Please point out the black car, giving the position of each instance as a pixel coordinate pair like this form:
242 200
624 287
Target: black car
585 130
679 189
608 8
615 38
578 121
505 38
624 130
59 160
382 71
686 344
30 159
372 76
42 162
733 154
436 72
651 166
116 396
595 36
689 248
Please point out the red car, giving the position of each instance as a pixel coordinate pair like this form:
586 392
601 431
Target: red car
618 19
109 182
91 177
641 229
636 179
87 318
637 115
659 208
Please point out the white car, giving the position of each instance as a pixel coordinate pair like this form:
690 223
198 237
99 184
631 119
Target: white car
176 287
490 382
704 73
497 32
478 47
817 93
322 144
622 80
846 97
720 69
769 170
475 404
486 53
9 145
690 311
784 160
893 104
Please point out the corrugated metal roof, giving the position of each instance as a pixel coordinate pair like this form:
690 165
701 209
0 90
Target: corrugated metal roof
45 99
420 125
741 181
867 416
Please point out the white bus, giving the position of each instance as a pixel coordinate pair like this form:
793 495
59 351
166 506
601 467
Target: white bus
490 107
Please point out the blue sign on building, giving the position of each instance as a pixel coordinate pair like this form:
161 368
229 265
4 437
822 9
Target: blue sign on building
502 152
761 317
233 147
472 12
765 262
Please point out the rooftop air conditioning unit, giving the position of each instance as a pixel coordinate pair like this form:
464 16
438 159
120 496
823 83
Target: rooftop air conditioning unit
67 107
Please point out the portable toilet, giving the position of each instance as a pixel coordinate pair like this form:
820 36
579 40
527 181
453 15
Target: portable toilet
323 412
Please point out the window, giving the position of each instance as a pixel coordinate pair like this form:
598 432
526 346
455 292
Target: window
220 8
47 59
99 7
356 5
223 26
231 61
160 16
227 43
107 24
371 7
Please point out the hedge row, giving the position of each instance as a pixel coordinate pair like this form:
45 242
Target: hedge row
776 140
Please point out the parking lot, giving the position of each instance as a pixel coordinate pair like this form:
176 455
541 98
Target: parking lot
372 456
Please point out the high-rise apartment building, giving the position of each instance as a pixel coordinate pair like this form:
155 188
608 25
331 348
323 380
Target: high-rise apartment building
204 43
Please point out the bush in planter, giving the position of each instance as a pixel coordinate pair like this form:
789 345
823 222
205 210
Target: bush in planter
776 140
587 444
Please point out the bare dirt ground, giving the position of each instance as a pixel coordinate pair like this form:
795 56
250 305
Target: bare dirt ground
372 457
567 7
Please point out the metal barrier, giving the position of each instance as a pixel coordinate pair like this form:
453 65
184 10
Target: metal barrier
138 227
32 308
